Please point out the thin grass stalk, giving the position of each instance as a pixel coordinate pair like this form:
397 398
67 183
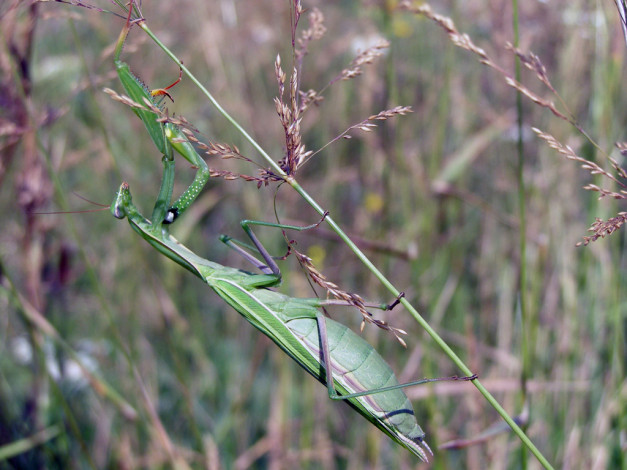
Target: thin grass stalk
525 335
360 255
26 444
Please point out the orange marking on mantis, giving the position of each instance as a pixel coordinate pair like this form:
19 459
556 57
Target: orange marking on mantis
164 91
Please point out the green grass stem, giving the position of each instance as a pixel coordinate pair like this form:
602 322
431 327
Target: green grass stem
360 255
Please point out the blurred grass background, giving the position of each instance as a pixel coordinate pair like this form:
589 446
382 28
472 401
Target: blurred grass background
436 189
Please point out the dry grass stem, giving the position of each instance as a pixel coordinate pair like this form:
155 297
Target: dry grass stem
296 11
619 170
355 68
227 152
537 100
389 113
459 39
600 227
263 180
365 126
153 107
181 122
592 167
531 61
224 151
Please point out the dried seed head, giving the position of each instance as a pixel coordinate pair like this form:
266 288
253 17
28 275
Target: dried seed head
294 93
224 151
388 113
382 116
590 166
599 227
298 7
264 179
533 63
315 31
622 148
152 107
350 298
280 75
602 228
459 39
309 97
123 99
364 58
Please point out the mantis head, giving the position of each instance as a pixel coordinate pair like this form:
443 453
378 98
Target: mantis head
122 202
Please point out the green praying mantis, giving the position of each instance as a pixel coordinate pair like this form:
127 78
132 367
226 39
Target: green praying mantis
351 368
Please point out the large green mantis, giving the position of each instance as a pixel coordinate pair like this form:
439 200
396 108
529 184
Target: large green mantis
358 373
350 367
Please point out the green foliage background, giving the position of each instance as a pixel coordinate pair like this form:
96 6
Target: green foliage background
432 196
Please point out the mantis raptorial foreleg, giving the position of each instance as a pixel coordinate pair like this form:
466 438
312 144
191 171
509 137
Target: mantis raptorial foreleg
166 135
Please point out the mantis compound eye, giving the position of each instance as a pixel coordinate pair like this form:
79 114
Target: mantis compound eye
118 212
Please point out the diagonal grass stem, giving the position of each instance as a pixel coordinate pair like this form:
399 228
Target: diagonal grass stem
362 257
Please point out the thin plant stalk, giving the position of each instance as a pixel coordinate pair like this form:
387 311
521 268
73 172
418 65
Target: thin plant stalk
525 336
362 257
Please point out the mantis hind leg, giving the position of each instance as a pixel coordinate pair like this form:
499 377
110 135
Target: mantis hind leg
326 361
270 266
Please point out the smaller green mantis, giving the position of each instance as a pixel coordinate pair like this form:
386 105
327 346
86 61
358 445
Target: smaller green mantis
166 136
350 367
